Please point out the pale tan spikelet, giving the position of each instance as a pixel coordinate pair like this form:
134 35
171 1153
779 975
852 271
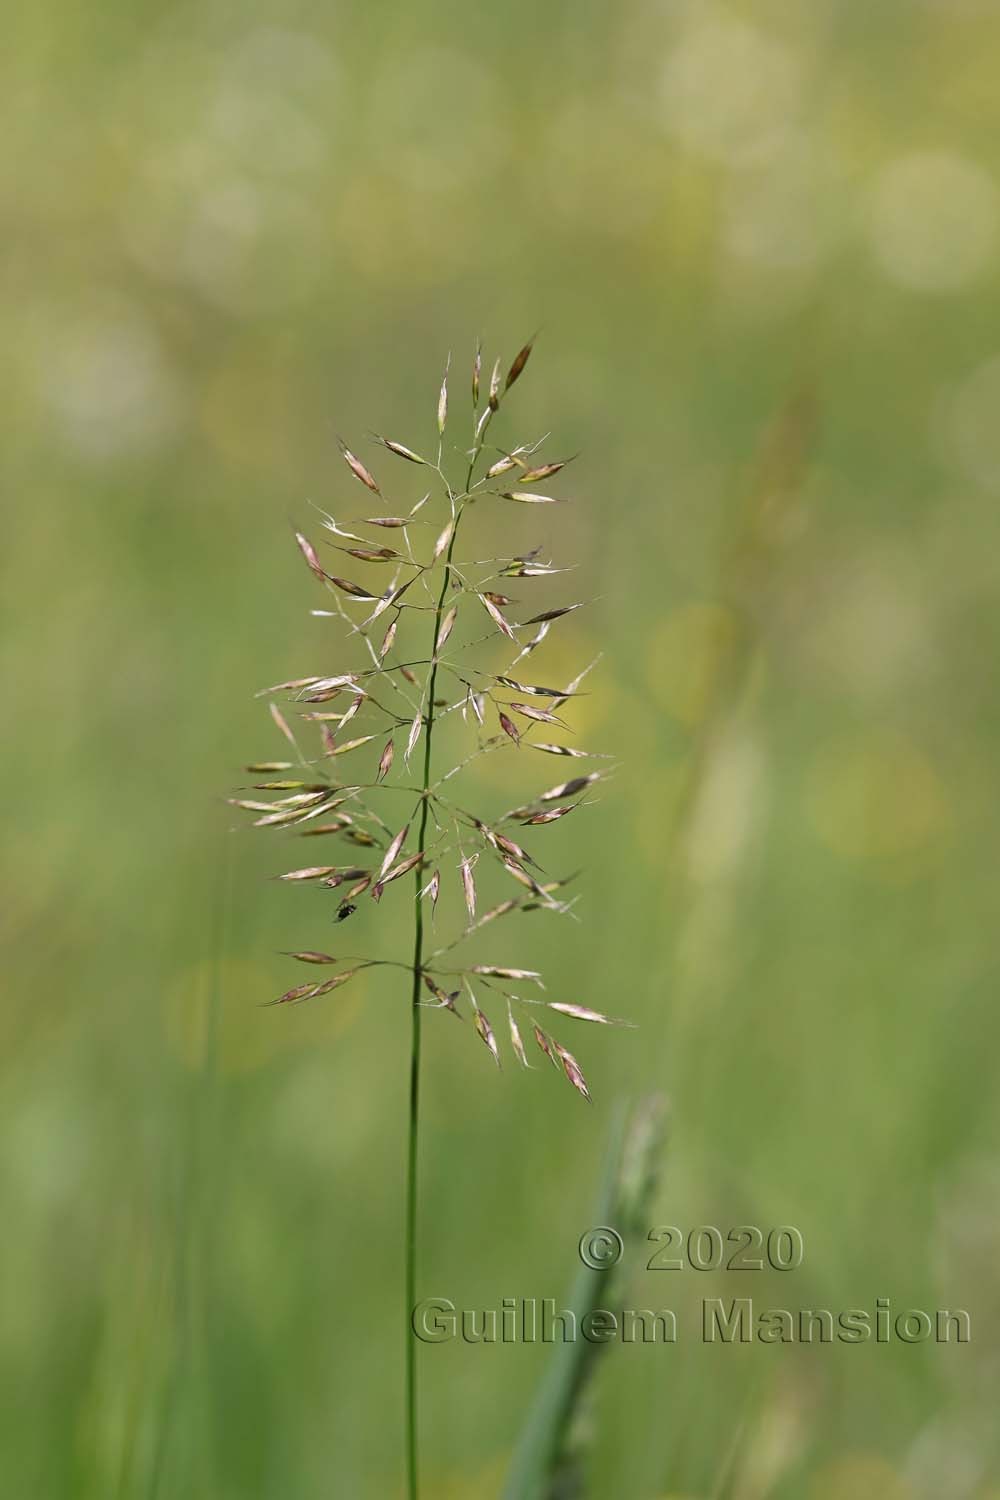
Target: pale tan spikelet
552 815
309 553
339 979
494 912
442 410
373 554
570 788
536 691
393 849
345 681
584 1013
515 1039
385 760
496 616
302 787
496 971
359 836
354 590
544 471
540 715
387 640
309 991
355 708
545 1044
303 799
565 750
485 1030
340 877
396 873
282 724
447 626
413 736
468 882
277 820
520 360
548 615
294 995
509 727
359 471
502 466
441 545
445 1000
363 739
521 875
390 598
401 451
494 396
288 687
572 1070
432 889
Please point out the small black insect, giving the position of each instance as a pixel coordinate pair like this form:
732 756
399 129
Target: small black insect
344 910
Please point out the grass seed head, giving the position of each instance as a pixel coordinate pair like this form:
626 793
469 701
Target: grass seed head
385 699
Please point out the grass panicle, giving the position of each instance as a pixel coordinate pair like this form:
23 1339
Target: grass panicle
430 635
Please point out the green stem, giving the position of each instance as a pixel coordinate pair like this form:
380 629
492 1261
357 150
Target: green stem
411 1207
412 1478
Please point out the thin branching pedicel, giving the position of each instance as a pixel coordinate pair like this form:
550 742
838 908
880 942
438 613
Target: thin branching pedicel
377 715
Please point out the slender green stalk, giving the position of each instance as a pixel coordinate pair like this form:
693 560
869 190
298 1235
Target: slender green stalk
454 826
412 1478
411 1197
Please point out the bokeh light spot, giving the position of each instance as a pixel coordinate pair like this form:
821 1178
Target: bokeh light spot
933 219
727 89
876 797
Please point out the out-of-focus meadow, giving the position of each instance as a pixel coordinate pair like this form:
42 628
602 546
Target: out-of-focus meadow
762 243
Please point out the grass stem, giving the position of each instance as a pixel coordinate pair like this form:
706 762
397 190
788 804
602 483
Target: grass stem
412 1464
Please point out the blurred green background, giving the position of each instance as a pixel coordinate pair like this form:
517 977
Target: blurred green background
761 240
